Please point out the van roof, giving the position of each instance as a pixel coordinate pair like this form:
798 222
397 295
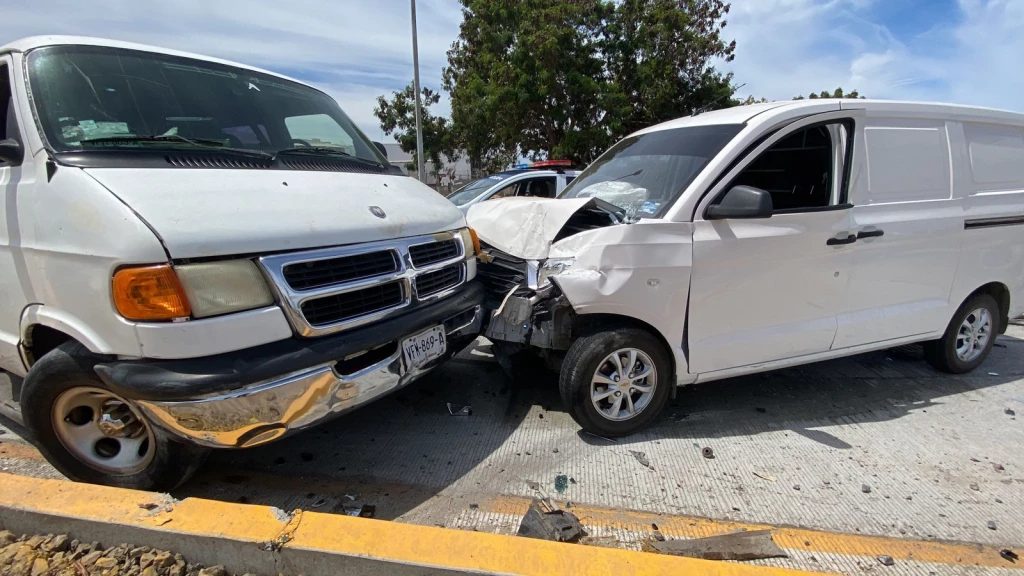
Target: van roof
32 42
768 110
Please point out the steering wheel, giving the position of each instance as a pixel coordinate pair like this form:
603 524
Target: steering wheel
301 142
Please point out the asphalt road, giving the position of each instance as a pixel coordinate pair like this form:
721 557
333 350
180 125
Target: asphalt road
878 445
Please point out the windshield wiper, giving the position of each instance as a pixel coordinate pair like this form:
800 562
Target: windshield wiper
197 142
322 150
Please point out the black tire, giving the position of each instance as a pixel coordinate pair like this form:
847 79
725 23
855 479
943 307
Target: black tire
941 353
71 365
582 361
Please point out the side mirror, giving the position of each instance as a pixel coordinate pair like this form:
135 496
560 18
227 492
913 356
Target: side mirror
11 152
742 202
382 149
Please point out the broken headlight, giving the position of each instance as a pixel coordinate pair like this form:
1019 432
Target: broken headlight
552 267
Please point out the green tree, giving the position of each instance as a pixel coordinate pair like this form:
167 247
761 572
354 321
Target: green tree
838 93
660 57
527 77
398 119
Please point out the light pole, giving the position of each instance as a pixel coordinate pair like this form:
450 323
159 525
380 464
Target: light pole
421 171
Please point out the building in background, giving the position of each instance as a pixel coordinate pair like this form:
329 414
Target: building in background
452 174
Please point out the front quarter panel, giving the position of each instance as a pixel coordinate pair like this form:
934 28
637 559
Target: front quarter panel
74 235
640 271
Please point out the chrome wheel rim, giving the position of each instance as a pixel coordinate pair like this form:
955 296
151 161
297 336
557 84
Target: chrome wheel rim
974 335
103 431
623 384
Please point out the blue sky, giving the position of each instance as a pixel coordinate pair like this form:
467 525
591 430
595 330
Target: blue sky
963 51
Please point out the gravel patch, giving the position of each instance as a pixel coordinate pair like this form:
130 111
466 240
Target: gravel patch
57 555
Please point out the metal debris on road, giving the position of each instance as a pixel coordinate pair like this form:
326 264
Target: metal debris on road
463 411
1007 554
601 437
751 545
991 525
556 525
361 511
998 467
796 487
765 476
1009 412
707 452
865 488
642 459
886 560
561 483
319 502
993 373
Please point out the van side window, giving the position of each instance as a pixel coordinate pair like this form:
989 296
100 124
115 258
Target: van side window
803 171
6 106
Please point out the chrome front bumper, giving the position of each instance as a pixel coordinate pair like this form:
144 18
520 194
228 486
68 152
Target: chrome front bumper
263 412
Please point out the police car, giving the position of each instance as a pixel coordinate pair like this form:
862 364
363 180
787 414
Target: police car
544 179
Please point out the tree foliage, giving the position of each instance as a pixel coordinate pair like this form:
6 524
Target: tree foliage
398 119
838 93
565 79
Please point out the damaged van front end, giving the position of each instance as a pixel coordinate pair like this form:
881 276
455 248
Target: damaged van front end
557 269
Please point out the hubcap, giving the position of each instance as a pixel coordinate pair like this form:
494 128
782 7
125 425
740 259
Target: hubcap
974 334
103 431
623 384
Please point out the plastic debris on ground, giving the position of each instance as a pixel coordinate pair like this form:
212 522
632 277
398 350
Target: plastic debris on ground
642 459
561 483
459 411
543 522
886 560
751 545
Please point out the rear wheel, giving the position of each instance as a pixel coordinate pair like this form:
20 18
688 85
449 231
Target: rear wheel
968 338
615 383
92 434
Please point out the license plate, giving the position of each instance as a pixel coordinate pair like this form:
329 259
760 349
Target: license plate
424 347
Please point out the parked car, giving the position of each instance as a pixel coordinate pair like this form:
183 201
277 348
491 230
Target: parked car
198 254
760 237
544 179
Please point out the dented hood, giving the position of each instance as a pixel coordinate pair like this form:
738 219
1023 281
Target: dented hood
523 227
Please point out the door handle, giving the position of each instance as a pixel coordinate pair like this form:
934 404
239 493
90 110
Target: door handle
839 241
870 234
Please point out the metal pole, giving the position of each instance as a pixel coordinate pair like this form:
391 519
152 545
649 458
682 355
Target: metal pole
421 170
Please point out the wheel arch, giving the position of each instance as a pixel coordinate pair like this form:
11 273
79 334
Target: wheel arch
1001 293
44 328
585 323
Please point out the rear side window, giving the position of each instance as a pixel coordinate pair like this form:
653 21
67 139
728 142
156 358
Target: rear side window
907 160
997 156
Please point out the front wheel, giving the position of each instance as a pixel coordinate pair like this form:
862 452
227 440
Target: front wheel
615 383
91 434
968 338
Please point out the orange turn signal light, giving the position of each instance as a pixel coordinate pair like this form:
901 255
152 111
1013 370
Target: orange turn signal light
150 293
476 241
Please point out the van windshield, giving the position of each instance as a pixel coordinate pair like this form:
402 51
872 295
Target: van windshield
101 98
645 174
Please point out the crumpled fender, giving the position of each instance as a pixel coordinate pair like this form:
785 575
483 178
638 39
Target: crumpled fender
641 271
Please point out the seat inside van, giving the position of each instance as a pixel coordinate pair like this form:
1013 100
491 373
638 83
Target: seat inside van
796 171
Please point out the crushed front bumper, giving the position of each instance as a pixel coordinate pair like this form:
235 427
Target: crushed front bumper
228 401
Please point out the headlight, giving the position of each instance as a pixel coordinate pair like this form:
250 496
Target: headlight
552 267
470 241
221 287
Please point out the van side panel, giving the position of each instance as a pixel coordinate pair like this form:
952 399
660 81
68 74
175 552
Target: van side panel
994 212
902 185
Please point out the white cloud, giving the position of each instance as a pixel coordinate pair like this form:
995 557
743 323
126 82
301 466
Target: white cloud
791 47
359 50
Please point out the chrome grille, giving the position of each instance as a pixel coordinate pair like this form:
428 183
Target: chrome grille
434 252
333 289
433 282
349 305
316 273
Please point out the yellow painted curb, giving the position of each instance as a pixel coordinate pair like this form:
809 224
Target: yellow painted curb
951 553
373 540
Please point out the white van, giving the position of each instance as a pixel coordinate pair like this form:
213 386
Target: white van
760 237
198 254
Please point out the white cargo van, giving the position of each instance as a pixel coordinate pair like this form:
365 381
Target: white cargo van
198 254
760 237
